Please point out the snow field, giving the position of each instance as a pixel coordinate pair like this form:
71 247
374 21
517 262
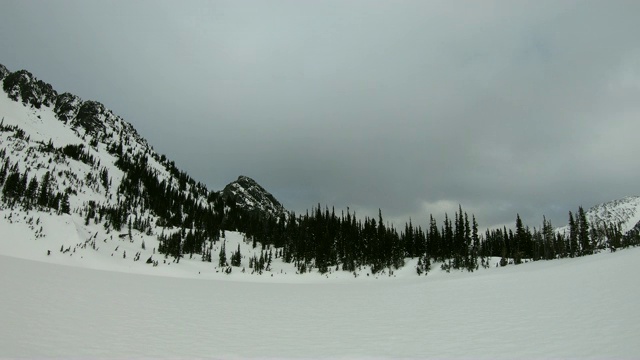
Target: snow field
584 307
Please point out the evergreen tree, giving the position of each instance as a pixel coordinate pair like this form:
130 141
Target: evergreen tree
573 236
614 236
43 197
4 170
475 245
223 255
548 238
65 208
129 230
583 233
22 184
32 191
236 258
520 239
11 188
434 244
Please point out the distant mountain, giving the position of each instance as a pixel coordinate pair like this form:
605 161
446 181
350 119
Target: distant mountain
624 212
247 194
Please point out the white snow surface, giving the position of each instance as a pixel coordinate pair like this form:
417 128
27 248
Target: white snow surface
570 308
88 303
41 124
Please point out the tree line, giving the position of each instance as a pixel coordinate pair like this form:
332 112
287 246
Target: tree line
319 240
322 240
20 188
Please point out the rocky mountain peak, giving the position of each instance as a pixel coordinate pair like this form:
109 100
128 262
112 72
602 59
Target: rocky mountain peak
67 106
23 86
90 116
92 161
3 71
623 212
249 195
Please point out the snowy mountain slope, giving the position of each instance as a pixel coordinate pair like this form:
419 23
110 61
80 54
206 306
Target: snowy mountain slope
563 309
67 240
77 179
65 119
33 151
624 212
68 120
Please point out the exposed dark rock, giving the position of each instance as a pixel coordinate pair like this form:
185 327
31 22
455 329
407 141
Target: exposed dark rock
249 195
91 116
3 71
67 106
23 86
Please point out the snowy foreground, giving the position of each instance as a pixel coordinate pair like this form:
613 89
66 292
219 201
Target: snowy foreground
586 307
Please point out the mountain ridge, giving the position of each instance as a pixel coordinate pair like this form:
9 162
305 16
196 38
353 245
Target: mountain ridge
74 167
93 124
624 212
74 173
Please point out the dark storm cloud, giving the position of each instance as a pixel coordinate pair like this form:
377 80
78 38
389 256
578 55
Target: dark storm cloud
409 106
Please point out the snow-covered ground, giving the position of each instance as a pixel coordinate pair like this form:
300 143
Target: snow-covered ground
585 307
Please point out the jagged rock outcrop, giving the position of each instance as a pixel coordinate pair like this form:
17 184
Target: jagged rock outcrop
67 106
3 71
23 86
91 116
249 195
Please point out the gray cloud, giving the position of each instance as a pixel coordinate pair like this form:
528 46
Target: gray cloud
409 106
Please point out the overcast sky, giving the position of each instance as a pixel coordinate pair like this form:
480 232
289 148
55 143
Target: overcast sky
504 107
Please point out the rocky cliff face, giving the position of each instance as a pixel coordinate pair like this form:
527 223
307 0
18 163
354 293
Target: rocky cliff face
249 195
23 86
67 106
3 71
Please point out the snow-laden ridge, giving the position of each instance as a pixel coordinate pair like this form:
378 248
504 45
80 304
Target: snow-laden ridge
45 116
23 86
624 213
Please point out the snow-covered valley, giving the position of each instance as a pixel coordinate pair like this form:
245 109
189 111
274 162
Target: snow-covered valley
584 307
107 249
